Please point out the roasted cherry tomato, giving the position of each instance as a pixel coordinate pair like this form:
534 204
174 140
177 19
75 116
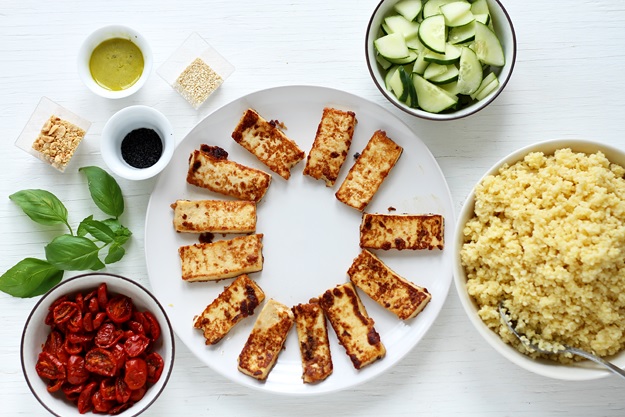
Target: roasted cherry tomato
48 366
122 392
135 373
84 399
108 334
55 384
107 389
155 364
100 404
135 345
155 328
101 361
120 355
72 391
137 394
103 296
64 311
119 309
76 371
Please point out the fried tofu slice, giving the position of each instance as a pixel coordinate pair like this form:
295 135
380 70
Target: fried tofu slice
268 143
393 292
369 171
314 345
265 342
402 231
214 216
237 301
353 327
210 168
221 259
331 145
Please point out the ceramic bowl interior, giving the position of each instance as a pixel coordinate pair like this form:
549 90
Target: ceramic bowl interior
101 35
124 122
585 370
36 331
505 32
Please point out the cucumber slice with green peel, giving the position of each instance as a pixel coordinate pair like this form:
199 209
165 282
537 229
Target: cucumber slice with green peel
420 64
487 80
385 29
392 46
412 56
451 88
487 46
389 75
462 34
432 7
457 13
482 18
470 72
399 24
480 7
431 97
434 70
451 55
492 86
409 9
409 90
397 87
448 76
384 63
415 43
432 33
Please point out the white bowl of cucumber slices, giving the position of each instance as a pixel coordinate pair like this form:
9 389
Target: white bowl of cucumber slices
440 59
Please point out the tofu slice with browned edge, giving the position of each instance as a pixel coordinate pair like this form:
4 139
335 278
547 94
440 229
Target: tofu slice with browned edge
260 353
221 259
236 302
314 345
393 292
331 146
214 216
268 143
402 231
353 327
369 171
210 168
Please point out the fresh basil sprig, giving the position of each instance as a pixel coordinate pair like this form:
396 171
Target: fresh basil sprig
78 251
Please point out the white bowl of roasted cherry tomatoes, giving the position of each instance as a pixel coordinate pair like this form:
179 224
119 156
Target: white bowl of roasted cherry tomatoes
97 343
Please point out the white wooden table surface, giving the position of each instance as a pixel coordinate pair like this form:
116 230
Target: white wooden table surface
568 83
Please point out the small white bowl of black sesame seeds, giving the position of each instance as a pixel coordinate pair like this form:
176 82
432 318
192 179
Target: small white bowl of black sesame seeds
137 142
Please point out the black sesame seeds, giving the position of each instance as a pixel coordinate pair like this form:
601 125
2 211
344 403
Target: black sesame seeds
142 148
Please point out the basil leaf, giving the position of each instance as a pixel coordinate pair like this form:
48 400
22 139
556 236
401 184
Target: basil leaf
30 277
105 191
97 229
72 253
41 206
116 252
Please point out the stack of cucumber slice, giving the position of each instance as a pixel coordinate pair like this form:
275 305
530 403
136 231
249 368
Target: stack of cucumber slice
439 55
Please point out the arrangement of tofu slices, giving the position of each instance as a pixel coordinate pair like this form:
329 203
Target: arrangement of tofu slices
238 257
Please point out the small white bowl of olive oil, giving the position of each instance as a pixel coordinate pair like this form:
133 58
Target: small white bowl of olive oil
115 61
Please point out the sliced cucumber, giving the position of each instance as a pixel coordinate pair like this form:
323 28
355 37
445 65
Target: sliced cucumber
470 72
432 7
490 87
432 33
451 55
399 24
412 56
448 76
480 7
451 88
409 90
487 46
420 64
384 63
392 46
486 81
389 75
482 18
409 9
457 13
415 43
396 85
431 97
462 34
434 70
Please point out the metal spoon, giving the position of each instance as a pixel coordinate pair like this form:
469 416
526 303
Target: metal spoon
558 347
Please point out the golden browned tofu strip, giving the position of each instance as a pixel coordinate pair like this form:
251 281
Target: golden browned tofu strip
236 302
214 216
314 345
369 171
402 231
221 259
268 143
387 288
265 342
331 145
353 327
210 168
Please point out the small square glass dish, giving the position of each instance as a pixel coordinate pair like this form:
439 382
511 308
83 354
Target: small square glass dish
53 134
195 70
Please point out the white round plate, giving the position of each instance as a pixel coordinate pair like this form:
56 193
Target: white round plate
310 238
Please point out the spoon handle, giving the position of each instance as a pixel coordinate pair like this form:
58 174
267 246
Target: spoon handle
598 360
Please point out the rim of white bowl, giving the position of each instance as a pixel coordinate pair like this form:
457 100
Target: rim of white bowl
459 114
170 333
581 371
99 36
